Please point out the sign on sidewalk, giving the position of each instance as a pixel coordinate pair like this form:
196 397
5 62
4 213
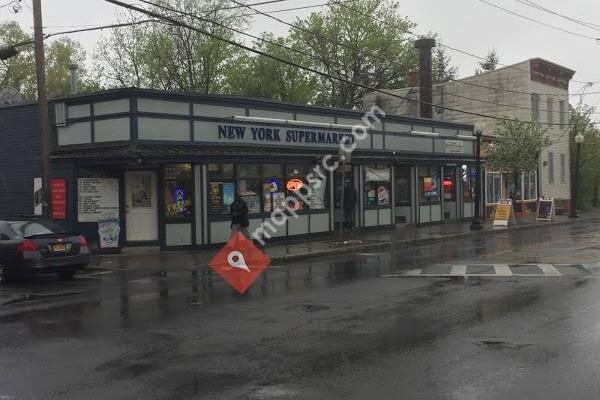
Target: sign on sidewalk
546 210
504 213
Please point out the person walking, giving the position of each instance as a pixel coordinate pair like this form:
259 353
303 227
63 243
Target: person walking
350 198
239 217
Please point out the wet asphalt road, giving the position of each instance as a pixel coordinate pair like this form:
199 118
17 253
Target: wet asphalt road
325 329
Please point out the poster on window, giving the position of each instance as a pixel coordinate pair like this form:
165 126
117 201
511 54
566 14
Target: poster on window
97 198
317 198
253 202
371 196
278 201
377 174
141 196
383 196
108 232
430 187
267 201
228 194
215 197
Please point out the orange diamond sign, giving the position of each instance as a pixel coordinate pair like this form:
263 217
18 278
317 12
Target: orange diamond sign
239 263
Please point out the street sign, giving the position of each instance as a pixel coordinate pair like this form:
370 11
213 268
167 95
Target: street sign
239 262
546 210
504 212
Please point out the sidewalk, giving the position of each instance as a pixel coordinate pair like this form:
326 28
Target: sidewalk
323 246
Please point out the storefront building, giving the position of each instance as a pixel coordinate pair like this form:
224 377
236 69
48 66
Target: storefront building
155 168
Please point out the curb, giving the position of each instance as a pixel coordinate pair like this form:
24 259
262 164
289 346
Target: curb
381 246
412 242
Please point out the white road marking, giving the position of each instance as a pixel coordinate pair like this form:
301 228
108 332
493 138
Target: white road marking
502 270
458 270
549 270
414 272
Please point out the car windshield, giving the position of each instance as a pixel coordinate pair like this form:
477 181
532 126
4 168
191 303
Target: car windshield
35 228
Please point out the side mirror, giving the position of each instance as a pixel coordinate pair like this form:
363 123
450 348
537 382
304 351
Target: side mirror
4 236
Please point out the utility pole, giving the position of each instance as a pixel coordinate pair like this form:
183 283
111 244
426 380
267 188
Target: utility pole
40 72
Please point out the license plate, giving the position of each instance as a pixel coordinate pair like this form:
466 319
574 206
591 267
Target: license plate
59 248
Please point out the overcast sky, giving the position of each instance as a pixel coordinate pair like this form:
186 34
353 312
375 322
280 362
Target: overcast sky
470 25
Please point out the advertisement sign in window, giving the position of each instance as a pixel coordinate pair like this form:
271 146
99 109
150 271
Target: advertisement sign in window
97 198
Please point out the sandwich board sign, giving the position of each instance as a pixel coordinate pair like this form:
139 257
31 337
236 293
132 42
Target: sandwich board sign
504 213
546 210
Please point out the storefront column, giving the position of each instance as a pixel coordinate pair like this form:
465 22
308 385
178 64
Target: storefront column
331 200
200 205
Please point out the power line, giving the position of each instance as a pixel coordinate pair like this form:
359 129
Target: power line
581 22
558 28
327 61
261 39
260 3
516 67
102 27
297 27
10 3
297 65
498 89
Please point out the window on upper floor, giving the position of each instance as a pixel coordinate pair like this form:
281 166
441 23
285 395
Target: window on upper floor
564 114
550 110
535 106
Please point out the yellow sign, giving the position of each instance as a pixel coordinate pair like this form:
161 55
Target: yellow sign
503 214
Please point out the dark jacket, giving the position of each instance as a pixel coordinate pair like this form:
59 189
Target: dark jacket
239 213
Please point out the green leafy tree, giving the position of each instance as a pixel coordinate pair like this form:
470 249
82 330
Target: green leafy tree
263 77
516 148
364 41
490 63
171 57
19 71
580 119
443 69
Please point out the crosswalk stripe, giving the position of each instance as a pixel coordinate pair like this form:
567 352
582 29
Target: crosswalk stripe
502 270
458 270
549 270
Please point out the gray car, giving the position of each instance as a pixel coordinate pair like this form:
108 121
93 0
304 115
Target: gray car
37 247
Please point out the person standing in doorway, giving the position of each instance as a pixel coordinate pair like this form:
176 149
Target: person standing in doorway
239 217
349 204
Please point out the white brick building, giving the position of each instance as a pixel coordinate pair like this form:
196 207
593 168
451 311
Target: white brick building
531 90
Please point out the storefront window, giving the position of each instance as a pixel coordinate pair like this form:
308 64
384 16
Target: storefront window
295 185
273 188
429 185
403 191
530 189
377 187
221 188
468 179
514 188
249 184
493 187
449 184
179 191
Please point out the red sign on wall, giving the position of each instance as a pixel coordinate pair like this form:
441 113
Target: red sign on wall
58 190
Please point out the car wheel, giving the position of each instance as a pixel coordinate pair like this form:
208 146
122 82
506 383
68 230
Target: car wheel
66 275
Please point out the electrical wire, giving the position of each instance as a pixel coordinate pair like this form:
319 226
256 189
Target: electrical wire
558 28
384 22
238 31
299 66
326 61
578 21
10 3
